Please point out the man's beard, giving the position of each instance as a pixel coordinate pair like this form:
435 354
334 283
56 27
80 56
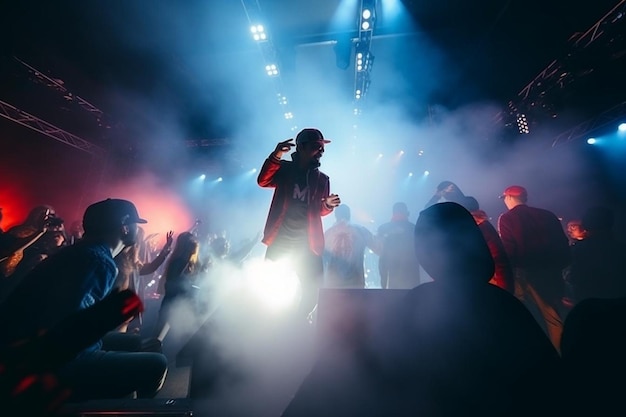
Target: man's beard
315 163
129 240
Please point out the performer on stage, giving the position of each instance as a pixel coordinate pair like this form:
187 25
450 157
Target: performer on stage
301 197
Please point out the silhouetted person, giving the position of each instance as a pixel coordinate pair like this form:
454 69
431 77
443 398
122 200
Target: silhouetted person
598 267
293 231
345 250
593 349
72 280
446 191
456 346
29 382
538 249
397 264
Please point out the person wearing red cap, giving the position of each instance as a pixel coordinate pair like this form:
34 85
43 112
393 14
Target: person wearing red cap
538 249
301 197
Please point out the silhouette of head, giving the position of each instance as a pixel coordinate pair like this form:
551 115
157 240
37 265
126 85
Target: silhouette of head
450 246
471 204
342 213
400 208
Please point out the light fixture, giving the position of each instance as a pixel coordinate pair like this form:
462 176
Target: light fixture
258 32
272 70
522 124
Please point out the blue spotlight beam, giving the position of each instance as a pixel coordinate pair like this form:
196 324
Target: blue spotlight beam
271 60
601 121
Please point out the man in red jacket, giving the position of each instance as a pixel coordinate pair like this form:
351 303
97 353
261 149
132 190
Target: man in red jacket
538 249
301 197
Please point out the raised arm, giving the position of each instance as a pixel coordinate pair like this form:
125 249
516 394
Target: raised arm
271 166
150 267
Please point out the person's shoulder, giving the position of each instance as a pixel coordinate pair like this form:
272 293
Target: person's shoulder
360 228
92 253
384 228
322 176
539 211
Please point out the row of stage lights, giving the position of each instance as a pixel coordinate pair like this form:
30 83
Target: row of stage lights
363 56
394 157
621 131
272 69
218 180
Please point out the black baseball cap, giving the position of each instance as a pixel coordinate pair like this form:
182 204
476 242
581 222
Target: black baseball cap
310 135
110 213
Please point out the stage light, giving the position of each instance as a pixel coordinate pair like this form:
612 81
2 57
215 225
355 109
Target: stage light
420 153
365 25
258 32
522 124
401 152
426 173
253 170
621 127
380 155
282 99
272 70
220 179
202 177
410 174
367 14
288 115
591 141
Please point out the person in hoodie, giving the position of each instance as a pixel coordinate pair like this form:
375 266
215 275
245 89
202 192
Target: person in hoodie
293 230
456 346
446 191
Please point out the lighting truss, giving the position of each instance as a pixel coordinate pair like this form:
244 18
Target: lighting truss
556 74
271 60
554 70
57 85
28 120
363 55
601 121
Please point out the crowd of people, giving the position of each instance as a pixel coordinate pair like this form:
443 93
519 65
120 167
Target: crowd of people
469 342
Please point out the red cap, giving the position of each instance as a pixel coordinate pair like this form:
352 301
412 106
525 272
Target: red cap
516 191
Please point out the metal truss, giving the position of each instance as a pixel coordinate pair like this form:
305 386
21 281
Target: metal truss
28 120
602 120
205 143
554 73
364 59
55 84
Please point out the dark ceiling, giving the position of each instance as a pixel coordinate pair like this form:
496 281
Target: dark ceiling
175 57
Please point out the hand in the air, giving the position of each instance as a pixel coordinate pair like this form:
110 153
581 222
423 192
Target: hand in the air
283 147
169 239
